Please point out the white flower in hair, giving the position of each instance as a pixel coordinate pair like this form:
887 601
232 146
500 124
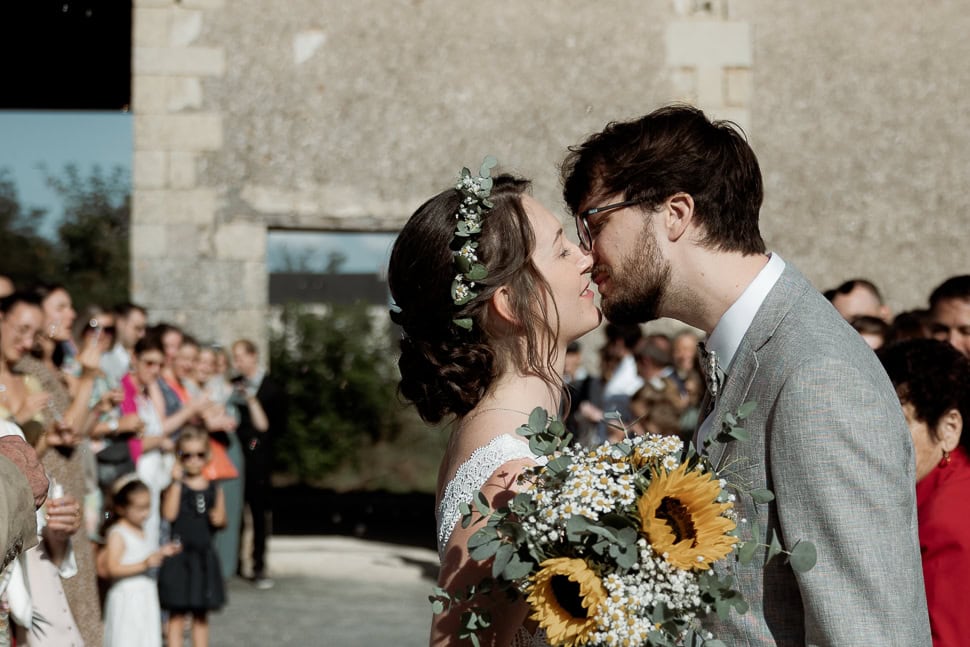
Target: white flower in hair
474 205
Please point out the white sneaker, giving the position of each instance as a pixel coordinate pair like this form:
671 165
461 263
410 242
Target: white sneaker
263 583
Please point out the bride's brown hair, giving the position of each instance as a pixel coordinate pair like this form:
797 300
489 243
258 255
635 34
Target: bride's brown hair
446 369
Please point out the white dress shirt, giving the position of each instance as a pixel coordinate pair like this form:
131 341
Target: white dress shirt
734 323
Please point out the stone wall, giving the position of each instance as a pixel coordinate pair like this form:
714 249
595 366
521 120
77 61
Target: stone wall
338 115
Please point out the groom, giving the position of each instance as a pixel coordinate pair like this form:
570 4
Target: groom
668 205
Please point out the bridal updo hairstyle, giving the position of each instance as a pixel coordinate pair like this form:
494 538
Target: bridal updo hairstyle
446 369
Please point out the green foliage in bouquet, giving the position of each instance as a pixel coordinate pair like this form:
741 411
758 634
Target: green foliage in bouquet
615 545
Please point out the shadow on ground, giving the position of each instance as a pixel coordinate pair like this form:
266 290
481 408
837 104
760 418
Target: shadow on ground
406 519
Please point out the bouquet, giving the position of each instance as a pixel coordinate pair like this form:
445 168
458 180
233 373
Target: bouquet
615 545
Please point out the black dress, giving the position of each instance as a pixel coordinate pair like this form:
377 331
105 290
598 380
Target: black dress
192 580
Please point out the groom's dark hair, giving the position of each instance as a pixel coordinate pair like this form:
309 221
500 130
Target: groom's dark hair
674 149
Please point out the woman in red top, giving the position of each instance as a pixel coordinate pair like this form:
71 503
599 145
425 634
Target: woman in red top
932 380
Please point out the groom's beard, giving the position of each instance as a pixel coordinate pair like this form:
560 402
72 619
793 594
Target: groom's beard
638 285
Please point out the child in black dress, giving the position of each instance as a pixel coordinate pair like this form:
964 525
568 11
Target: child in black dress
191 582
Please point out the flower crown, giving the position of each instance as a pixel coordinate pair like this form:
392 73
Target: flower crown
476 192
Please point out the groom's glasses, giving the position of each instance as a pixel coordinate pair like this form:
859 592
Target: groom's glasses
583 230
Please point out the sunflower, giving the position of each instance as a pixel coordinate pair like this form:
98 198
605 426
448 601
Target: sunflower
681 518
565 596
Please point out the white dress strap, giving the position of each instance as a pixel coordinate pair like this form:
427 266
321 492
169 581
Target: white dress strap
471 476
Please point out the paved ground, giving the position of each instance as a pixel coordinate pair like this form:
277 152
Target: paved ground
332 592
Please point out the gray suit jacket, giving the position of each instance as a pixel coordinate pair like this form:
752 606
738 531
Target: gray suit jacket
828 437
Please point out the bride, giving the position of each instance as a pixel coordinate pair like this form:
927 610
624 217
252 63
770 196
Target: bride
489 292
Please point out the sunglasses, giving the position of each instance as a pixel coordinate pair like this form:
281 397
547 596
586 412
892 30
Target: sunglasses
188 455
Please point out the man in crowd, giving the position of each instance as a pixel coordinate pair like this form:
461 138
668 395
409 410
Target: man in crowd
859 298
950 312
130 323
261 402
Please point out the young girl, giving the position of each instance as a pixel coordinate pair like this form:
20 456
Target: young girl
132 617
191 583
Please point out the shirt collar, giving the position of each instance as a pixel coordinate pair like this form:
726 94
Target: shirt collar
729 331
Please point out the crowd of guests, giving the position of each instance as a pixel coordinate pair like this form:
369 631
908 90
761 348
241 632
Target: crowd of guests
154 445
653 384
645 384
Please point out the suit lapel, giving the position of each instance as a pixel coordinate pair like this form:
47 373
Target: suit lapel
744 366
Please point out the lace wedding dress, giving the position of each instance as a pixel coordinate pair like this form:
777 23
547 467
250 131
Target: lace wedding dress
468 480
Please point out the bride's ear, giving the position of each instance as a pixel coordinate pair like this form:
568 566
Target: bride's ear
501 303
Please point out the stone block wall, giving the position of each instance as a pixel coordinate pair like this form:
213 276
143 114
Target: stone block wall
345 116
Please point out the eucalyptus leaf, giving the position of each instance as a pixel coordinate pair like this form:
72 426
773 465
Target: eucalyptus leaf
559 464
627 536
603 531
624 449
538 419
477 272
775 548
521 502
482 504
741 606
747 409
576 527
730 420
625 555
746 552
755 529
484 551
464 322
517 568
739 433
762 495
803 556
502 557
723 608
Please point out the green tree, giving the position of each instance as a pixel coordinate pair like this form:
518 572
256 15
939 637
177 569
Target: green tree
89 254
26 254
93 237
338 371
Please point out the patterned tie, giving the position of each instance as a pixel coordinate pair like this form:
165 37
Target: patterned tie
711 370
